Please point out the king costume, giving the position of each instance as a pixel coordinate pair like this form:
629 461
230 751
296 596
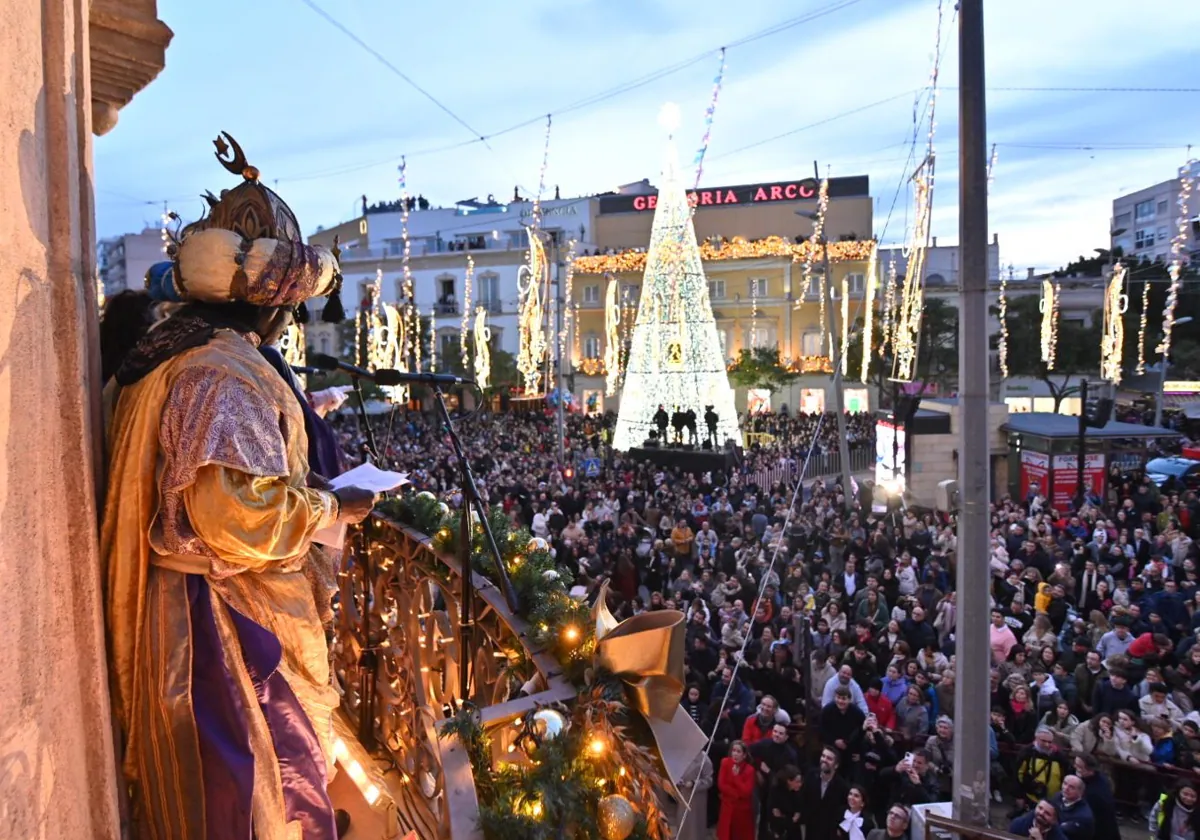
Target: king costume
218 656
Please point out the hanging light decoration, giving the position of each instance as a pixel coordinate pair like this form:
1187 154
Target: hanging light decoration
293 350
164 230
906 329
612 336
530 279
483 349
872 288
466 316
1112 342
568 290
709 113
1178 249
1049 333
844 350
385 347
1143 320
889 306
814 241
1003 312
412 318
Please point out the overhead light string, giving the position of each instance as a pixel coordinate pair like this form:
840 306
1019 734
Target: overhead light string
466 313
1143 320
872 289
412 319
1003 313
709 113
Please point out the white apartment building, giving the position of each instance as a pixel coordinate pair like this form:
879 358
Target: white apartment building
440 240
124 260
1145 222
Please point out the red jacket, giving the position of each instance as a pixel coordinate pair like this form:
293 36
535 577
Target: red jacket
883 710
1143 646
752 733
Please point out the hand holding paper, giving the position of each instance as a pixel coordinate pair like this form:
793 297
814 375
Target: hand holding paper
365 478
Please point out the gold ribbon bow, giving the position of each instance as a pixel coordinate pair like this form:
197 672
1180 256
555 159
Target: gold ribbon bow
647 653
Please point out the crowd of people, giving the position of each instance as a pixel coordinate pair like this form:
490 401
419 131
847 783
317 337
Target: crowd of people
821 635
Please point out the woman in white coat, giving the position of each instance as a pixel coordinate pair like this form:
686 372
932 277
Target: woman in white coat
696 781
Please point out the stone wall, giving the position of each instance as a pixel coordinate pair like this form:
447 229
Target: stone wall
57 765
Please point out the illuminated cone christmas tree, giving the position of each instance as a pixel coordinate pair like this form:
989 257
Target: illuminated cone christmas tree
675 357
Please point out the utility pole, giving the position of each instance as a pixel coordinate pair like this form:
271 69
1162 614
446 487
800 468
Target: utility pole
835 357
972 648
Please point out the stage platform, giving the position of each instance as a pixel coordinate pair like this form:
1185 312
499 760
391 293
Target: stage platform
695 461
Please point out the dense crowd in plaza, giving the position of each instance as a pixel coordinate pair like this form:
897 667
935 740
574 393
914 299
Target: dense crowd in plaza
1096 613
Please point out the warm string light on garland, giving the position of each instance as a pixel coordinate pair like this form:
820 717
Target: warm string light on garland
1112 341
709 113
1143 320
412 318
483 350
1049 332
869 310
1003 313
466 316
1178 249
889 306
737 248
612 336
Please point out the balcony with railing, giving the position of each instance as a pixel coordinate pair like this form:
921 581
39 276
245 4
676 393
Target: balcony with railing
406 768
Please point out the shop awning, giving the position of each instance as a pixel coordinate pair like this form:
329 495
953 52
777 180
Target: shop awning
1048 425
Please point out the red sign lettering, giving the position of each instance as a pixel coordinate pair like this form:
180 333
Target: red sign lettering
807 191
761 195
777 193
639 202
653 202
706 197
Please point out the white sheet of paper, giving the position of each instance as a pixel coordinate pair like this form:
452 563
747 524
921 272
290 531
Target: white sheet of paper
368 477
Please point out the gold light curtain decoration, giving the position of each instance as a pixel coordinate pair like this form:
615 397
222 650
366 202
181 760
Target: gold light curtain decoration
646 652
530 279
753 309
612 336
1003 307
1178 249
889 307
1049 333
906 330
736 248
869 309
483 349
1112 342
385 346
845 315
466 305
568 291
1143 320
815 241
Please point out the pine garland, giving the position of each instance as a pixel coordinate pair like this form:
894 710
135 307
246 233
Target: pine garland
556 793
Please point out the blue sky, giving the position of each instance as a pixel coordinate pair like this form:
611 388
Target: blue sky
326 119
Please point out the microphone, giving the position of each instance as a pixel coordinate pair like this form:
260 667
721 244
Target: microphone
386 376
309 371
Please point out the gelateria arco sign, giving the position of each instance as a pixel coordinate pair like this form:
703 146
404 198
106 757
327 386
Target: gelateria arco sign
746 194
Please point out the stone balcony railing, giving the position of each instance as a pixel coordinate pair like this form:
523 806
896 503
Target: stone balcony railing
397 658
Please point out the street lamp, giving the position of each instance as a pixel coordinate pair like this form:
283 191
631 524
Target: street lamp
1162 378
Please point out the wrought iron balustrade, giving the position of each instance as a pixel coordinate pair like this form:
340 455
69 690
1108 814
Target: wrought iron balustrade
396 654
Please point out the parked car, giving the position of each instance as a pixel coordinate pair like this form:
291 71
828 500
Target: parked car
1174 474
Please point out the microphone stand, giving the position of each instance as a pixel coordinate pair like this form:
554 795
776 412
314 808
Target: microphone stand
364 421
471 501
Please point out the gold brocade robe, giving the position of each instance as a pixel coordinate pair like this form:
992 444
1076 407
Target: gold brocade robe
207 472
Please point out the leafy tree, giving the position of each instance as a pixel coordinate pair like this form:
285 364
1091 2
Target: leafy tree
1077 351
761 368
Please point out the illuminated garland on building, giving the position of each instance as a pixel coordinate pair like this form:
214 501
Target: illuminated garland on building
530 279
1112 341
1049 332
466 316
709 113
412 318
1178 248
483 349
1142 322
612 336
889 306
1003 312
738 248
869 310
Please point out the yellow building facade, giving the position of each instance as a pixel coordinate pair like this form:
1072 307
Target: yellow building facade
764 282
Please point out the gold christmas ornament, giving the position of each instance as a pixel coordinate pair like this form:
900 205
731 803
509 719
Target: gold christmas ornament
548 724
617 817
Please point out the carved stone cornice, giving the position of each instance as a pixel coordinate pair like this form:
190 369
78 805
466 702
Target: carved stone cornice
128 50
